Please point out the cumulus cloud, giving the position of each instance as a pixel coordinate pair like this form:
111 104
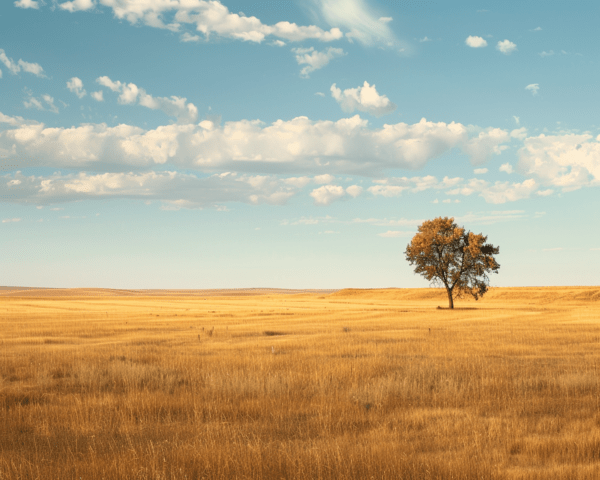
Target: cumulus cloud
354 190
98 96
78 5
506 167
357 16
487 142
208 17
568 161
11 120
314 59
346 146
533 88
130 94
27 4
15 67
327 194
547 54
480 171
506 47
323 179
520 133
364 99
75 85
499 192
475 42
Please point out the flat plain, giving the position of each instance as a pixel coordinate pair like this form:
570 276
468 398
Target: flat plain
269 384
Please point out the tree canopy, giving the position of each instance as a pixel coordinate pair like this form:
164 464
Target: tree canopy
446 255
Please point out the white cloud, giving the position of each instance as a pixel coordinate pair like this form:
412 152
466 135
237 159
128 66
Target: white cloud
354 190
131 93
347 146
499 192
547 54
506 167
393 234
480 171
34 68
319 94
475 42
545 193
569 161
175 190
506 47
75 85
187 37
360 19
364 99
537 29
98 96
298 182
386 190
488 142
11 220
314 60
209 17
16 67
27 4
327 194
520 133
502 192
11 120
278 43
425 39
533 88
517 120
323 179
79 5
107 82
38 103
9 63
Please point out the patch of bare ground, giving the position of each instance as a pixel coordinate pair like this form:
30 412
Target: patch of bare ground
349 384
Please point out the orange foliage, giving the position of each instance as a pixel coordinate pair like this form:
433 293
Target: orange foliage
445 255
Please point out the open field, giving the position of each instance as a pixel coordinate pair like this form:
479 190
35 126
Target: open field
352 384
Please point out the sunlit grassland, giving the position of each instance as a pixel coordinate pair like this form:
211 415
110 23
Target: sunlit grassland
356 384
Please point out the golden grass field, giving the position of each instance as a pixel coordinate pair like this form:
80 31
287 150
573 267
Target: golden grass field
361 384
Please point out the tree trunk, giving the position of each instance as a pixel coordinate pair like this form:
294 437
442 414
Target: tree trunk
450 300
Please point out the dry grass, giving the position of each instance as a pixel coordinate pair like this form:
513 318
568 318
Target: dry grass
355 384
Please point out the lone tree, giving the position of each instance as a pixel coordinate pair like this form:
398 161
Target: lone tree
447 255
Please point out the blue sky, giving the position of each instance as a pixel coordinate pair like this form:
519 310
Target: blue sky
294 144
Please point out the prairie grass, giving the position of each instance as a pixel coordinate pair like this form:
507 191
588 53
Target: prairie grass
355 384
